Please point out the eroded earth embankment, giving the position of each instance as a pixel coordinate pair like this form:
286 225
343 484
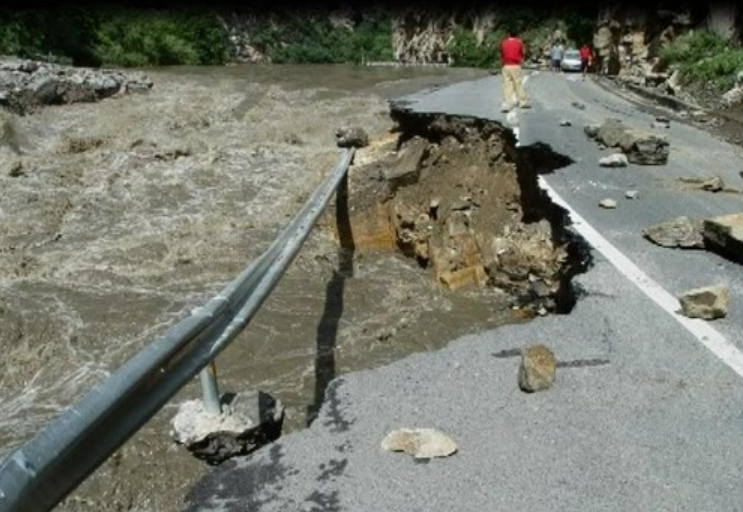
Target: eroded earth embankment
458 197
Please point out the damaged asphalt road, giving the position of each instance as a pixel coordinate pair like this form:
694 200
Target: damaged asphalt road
658 427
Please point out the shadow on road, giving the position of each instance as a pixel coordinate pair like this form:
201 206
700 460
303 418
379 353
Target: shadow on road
327 330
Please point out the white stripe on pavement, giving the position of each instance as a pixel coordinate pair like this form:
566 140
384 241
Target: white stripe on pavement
705 333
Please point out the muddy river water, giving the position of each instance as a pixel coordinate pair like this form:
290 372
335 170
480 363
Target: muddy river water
117 218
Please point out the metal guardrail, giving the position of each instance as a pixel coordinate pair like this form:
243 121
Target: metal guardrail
42 472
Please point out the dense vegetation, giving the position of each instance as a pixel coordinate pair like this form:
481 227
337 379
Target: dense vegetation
114 36
121 36
704 57
140 37
300 38
131 36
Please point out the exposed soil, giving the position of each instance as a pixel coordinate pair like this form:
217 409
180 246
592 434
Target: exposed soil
454 195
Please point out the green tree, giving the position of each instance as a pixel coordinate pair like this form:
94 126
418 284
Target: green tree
149 37
466 52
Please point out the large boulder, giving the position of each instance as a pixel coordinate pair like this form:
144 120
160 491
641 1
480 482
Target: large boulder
640 146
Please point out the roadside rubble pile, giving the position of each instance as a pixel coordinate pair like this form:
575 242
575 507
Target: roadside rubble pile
26 85
636 146
722 234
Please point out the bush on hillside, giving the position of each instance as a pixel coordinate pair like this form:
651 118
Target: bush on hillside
466 52
705 57
114 36
38 33
142 38
302 39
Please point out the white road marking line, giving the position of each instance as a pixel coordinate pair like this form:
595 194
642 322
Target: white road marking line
707 335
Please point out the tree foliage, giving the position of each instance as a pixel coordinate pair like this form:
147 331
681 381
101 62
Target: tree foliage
302 39
114 36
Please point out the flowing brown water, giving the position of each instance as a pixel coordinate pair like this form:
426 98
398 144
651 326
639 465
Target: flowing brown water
120 217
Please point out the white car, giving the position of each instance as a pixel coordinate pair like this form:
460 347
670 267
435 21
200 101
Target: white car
570 60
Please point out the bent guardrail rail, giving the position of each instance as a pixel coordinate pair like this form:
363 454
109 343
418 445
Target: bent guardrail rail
42 472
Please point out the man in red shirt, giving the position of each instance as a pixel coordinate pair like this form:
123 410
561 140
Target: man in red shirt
586 58
511 56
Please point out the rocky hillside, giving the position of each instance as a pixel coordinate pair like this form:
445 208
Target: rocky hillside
622 34
683 51
629 39
652 44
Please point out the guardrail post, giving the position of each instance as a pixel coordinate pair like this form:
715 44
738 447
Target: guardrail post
210 388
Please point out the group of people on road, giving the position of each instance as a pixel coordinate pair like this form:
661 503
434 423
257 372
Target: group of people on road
557 52
512 58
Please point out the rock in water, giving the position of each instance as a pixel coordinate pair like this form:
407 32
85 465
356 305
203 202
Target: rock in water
421 443
706 303
537 369
27 85
661 122
354 137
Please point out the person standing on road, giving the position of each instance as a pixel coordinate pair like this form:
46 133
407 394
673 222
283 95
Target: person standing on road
512 56
586 58
556 56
